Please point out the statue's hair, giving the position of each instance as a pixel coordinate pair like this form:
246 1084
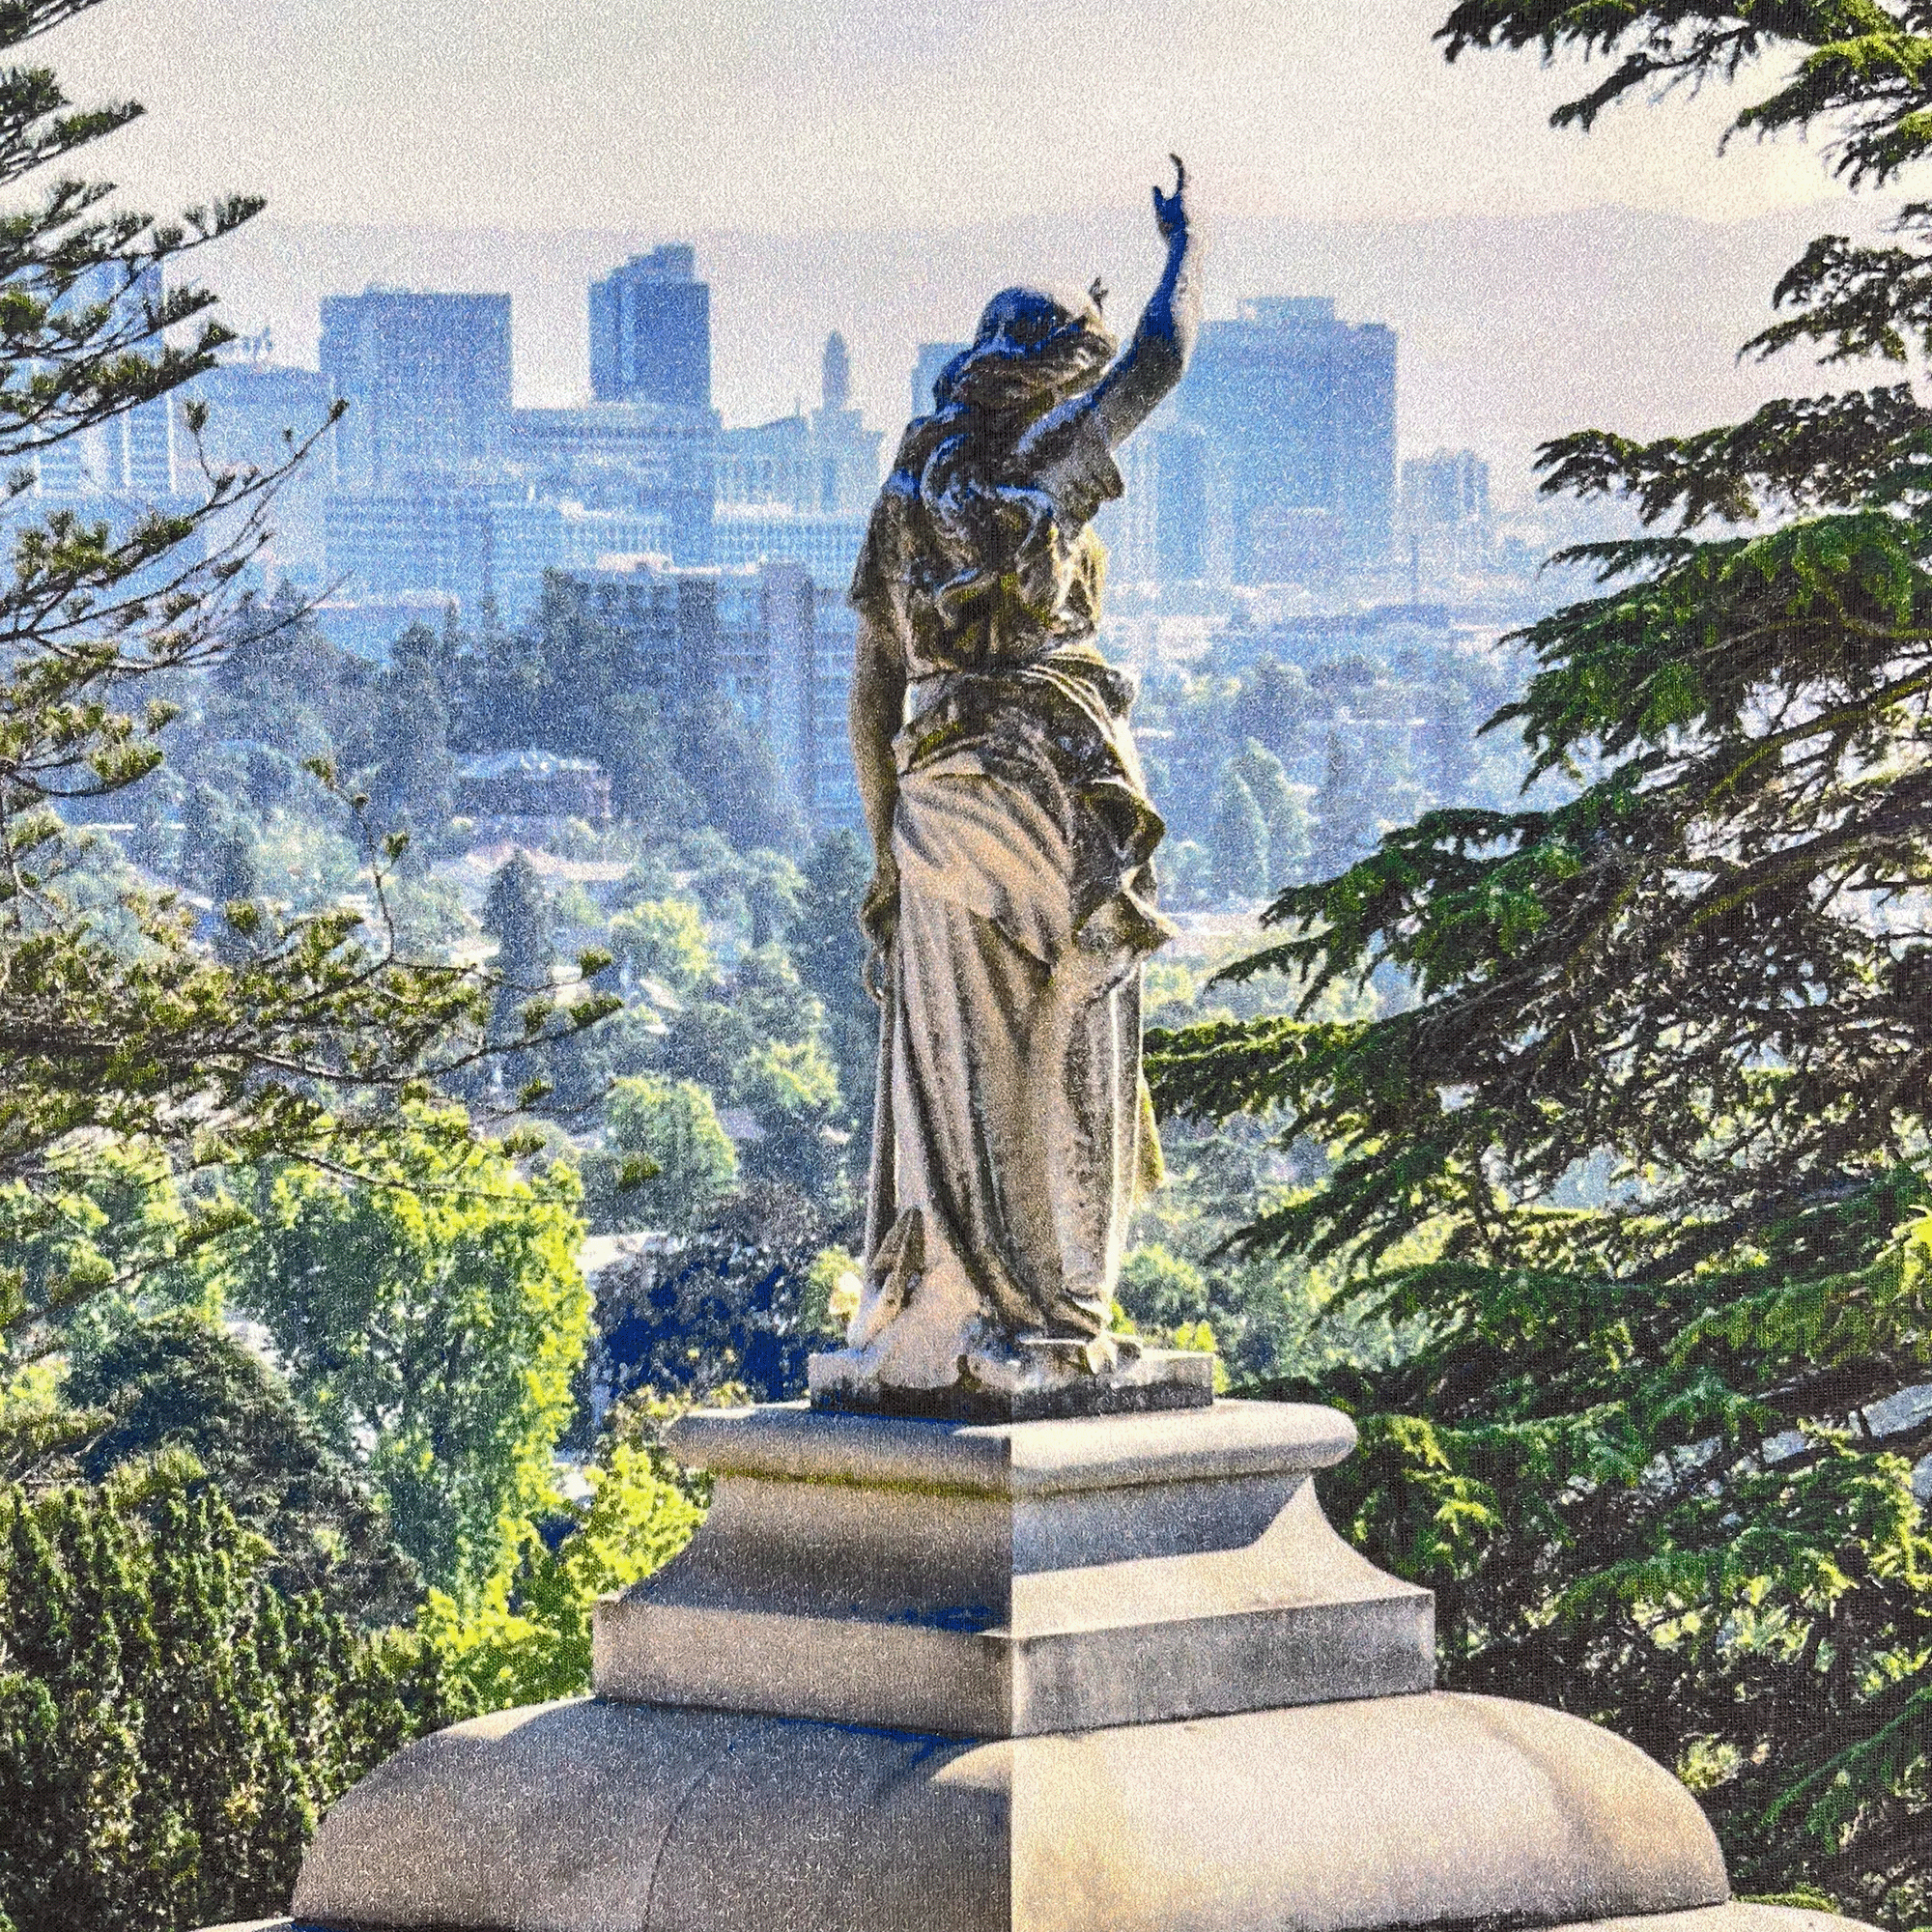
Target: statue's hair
977 520
1032 349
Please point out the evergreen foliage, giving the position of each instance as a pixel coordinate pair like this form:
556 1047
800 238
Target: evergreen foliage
171 1728
516 910
178 1385
1654 1454
1239 842
1344 818
528 1638
680 1161
413 784
830 950
664 940
1282 813
736 1302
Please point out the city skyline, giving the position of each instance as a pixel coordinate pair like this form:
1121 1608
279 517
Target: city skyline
853 134
1491 357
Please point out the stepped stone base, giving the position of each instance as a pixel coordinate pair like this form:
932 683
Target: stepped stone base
1736 1917
1014 1580
1107 1674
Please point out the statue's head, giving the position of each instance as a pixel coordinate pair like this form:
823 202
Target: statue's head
1034 347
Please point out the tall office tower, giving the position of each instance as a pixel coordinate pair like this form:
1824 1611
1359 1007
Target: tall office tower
757 635
1160 526
1450 487
427 379
1298 413
798 488
927 368
624 456
386 544
835 380
650 331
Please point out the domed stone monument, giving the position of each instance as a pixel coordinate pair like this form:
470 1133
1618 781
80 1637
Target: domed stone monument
1014 1626
1106 1673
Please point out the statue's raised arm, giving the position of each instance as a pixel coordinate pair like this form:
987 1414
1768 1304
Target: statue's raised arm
1148 369
1013 897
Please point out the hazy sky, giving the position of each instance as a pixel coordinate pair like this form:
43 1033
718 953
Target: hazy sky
766 114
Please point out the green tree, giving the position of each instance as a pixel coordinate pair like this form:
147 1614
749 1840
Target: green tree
671 1127
528 1639
516 910
179 1383
830 952
1283 812
1239 841
772 999
171 1728
730 766
1644 1451
1274 705
774 895
664 940
1449 744
736 1302
413 784
1162 1291
517 913
431 1323
235 884
1345 818
791 1087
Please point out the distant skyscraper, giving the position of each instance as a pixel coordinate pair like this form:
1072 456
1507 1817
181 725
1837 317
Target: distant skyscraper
798 488
650 331
1298 413
632 456
427 379
1451 487
758 635
418 541
1161 525
927 368
836 388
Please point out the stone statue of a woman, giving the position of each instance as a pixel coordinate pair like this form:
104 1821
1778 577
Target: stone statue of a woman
1012 904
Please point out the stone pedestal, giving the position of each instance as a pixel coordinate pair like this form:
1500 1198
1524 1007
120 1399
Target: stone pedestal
1014 1580
1111 1674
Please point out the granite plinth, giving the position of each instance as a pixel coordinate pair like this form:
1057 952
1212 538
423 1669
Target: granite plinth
1014 1580
1392 1812
1046 1378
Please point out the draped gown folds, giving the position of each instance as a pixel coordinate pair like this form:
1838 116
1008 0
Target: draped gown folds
1012 1130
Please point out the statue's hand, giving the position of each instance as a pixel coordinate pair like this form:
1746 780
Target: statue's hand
1169 211
879 919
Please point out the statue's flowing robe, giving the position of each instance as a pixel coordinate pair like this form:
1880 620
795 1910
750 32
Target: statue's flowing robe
1013 1131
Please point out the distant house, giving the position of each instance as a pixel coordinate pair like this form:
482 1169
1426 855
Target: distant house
534 785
